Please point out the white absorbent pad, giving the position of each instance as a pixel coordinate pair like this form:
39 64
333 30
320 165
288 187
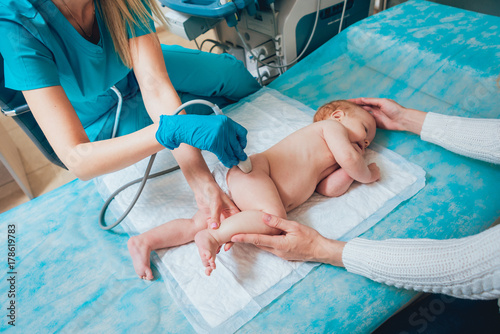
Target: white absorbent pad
247 279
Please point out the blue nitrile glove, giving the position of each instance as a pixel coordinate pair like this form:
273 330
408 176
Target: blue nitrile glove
217 134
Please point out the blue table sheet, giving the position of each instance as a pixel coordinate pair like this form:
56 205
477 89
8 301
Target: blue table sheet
70 276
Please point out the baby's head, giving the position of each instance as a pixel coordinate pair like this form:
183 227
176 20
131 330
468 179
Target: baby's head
360 125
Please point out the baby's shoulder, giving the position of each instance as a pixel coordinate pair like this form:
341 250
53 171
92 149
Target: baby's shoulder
330 126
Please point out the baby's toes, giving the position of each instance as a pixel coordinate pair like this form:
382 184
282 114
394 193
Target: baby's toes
206 257
148 275
211 261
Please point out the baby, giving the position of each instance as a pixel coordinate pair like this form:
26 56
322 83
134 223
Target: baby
325 156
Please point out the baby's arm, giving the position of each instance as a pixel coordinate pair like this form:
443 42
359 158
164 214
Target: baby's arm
335 184
347 157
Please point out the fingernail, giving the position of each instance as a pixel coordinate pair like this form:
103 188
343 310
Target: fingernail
214 225
267 218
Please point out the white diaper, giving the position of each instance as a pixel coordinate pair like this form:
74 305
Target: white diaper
220 175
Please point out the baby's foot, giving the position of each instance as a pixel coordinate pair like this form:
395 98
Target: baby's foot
207 247
140 252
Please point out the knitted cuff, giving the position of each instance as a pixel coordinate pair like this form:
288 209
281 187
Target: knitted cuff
433 124
355 256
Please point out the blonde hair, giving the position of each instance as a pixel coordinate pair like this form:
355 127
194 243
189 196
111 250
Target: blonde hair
118 14
328 108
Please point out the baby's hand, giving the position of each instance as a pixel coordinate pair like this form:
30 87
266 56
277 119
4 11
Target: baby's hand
375 172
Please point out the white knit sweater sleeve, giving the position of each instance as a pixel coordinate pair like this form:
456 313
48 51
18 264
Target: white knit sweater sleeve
473 137
465 268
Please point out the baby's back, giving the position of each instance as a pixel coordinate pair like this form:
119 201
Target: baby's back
298 163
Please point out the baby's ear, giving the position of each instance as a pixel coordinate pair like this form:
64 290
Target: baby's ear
337 115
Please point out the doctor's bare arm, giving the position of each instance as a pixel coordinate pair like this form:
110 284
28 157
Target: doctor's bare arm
160 98
59 122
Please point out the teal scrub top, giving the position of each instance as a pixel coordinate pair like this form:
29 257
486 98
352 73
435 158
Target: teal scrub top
41 49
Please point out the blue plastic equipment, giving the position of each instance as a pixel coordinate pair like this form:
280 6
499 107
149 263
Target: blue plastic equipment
212 8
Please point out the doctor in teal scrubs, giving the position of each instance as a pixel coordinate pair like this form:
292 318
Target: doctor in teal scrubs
65 55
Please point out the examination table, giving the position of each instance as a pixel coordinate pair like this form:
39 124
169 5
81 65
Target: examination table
71 276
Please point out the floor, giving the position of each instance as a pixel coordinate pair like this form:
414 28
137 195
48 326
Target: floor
43 176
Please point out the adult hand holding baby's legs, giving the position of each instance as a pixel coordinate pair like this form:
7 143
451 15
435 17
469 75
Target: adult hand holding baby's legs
298 242
214 204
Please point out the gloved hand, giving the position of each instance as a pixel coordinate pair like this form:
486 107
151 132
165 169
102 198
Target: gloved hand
217 134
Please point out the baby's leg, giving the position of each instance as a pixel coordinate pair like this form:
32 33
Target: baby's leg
253 193
336 184
210 241
173 233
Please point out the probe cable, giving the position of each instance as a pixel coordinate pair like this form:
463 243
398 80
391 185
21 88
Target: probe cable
136 196
342 17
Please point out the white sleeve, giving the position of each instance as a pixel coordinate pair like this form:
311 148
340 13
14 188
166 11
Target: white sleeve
473 137
464 268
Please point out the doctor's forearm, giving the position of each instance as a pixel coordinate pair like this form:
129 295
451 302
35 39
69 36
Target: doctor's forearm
162 100
91 159
193 166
